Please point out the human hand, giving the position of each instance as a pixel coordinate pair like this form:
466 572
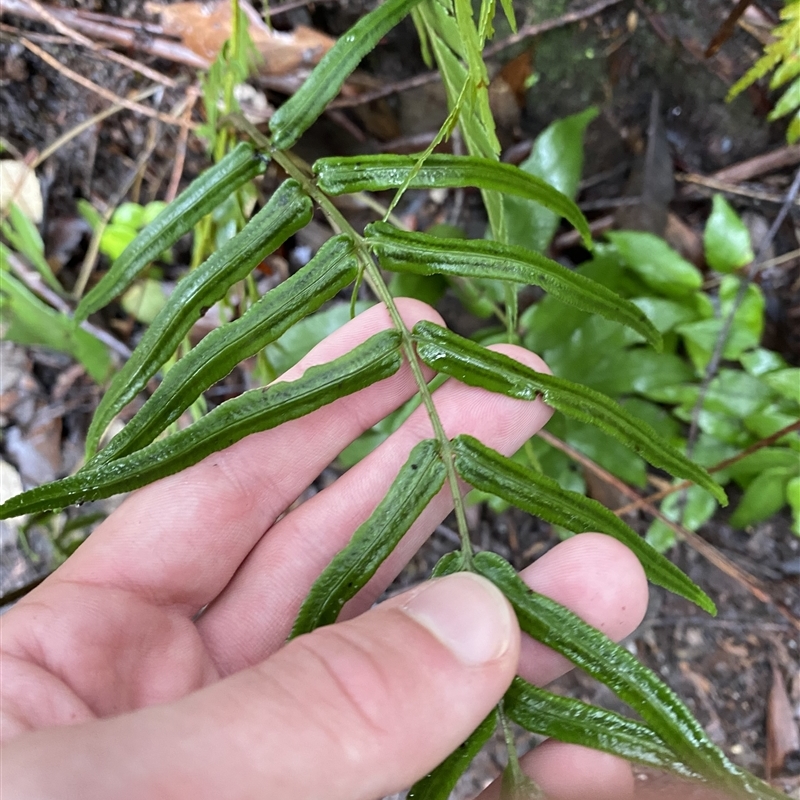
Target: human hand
113 686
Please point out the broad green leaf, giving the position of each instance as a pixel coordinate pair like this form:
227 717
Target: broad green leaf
592 651
660 536
438 785
255 410
769 421
701 339
760 361
179 217
556 157
721 426
418 253
418 481
666 314
334 266
765 495
603 449
793 499
470 363
737 393
575 722
428 288
726 239
144 300
785 382
375 173
308 333
115 240
287 211
762 460
129 214
692 510
298 113
656 263
541 496
25 319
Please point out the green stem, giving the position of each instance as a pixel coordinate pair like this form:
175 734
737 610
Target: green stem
296 170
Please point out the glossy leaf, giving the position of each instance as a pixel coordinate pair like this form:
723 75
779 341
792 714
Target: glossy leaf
726 239
656 263
298 113
256 410
179 217
556 157
287 211
470 363
575 722
418 253
334 266
489 471
418 481
785 382
765 495
438 785
592 651
375 173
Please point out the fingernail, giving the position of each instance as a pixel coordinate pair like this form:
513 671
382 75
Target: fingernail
467 614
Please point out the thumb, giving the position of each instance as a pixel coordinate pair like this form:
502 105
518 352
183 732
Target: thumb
352 711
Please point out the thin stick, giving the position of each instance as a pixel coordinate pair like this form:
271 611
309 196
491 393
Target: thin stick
93 87
722 562
660 495
180 151
719 347
787 156
35 283
528 31
730 188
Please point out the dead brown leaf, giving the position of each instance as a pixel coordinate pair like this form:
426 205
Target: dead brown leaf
205 27
782 733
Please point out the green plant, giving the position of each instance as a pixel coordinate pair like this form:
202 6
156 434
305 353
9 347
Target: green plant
782 58
668 736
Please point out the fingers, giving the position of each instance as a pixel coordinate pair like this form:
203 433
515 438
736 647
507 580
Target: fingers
252 617
352 711
178 541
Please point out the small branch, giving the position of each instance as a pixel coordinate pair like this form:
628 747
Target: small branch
528 31
719 347
787 156
660 495
707 550
729 188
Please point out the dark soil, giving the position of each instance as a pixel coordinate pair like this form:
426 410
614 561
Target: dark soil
721 666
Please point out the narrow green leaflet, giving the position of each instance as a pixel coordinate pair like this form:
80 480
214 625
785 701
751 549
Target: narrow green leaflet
472 364
592 651
256 410
576 722
287 211
489 471
405 251
419 479
438 785
726 240
376 173
296 115
201 197
334 266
